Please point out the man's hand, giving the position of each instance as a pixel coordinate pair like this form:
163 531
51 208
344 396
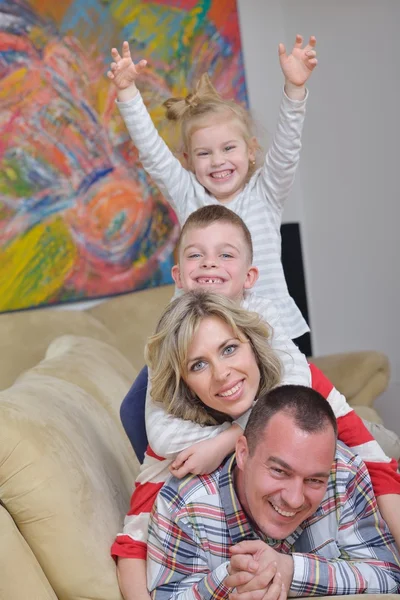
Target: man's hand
298 66
254 565
124 72
274 591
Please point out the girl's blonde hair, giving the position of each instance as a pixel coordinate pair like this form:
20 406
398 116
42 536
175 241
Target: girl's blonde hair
205 102
166 351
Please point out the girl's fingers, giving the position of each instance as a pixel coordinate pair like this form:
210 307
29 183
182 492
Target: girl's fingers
312 41
141 65
115 54
125 50
299 41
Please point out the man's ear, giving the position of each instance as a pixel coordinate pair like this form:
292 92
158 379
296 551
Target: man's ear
251 278
242 452
176 276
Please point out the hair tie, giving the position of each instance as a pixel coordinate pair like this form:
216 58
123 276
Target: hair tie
191 100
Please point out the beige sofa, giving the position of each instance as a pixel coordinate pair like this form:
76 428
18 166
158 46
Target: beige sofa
66 466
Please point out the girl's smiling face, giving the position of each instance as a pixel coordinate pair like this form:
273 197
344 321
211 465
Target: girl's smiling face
221 369
220 157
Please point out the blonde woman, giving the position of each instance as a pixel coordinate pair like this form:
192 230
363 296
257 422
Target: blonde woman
209 359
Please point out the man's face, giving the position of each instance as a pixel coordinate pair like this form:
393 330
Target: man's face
215 258
285 480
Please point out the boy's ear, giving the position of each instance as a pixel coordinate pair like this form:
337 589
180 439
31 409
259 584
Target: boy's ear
176 276
251 278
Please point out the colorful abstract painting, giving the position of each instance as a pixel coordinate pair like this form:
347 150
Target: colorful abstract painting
79 218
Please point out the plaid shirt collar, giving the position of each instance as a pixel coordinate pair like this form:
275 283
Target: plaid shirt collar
239 525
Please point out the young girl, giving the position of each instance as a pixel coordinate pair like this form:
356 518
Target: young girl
220 152
176 388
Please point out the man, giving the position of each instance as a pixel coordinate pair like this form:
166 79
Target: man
290 501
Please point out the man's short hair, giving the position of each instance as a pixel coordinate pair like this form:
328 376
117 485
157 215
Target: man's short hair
309 410
214 213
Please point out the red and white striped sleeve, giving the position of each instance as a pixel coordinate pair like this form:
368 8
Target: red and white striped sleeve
132 542
352 431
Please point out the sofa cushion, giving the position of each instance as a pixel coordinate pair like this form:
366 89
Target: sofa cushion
25 336
66 468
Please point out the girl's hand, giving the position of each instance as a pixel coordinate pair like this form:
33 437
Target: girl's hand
203 457
123 71
298 66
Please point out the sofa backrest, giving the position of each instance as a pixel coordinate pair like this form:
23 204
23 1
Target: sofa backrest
25 336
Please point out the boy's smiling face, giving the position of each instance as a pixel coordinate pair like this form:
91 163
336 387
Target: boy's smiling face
216 258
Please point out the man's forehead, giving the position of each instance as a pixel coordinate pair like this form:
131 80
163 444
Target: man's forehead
305 452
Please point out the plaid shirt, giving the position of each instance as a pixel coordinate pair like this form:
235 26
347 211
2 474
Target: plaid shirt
344 548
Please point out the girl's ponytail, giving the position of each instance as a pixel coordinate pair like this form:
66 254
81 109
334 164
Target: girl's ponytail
178 108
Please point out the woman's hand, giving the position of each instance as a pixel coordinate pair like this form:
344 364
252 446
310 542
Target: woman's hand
205 457
298 66
124 72
198 459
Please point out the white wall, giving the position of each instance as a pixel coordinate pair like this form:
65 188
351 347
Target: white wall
262 28
347 193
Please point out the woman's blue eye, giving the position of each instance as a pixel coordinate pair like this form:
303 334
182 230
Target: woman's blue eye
230 349
198 366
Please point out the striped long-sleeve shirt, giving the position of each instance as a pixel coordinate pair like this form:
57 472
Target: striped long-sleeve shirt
344 548
131 542
260 204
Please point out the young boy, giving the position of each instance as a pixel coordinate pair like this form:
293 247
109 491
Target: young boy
215 253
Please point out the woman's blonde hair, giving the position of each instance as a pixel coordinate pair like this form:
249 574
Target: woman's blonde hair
204 102
166 351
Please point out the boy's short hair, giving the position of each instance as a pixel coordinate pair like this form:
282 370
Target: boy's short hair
214 213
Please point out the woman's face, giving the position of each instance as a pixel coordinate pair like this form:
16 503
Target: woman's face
222 371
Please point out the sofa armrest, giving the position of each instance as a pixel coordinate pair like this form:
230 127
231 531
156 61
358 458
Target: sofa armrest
360 376
21 576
